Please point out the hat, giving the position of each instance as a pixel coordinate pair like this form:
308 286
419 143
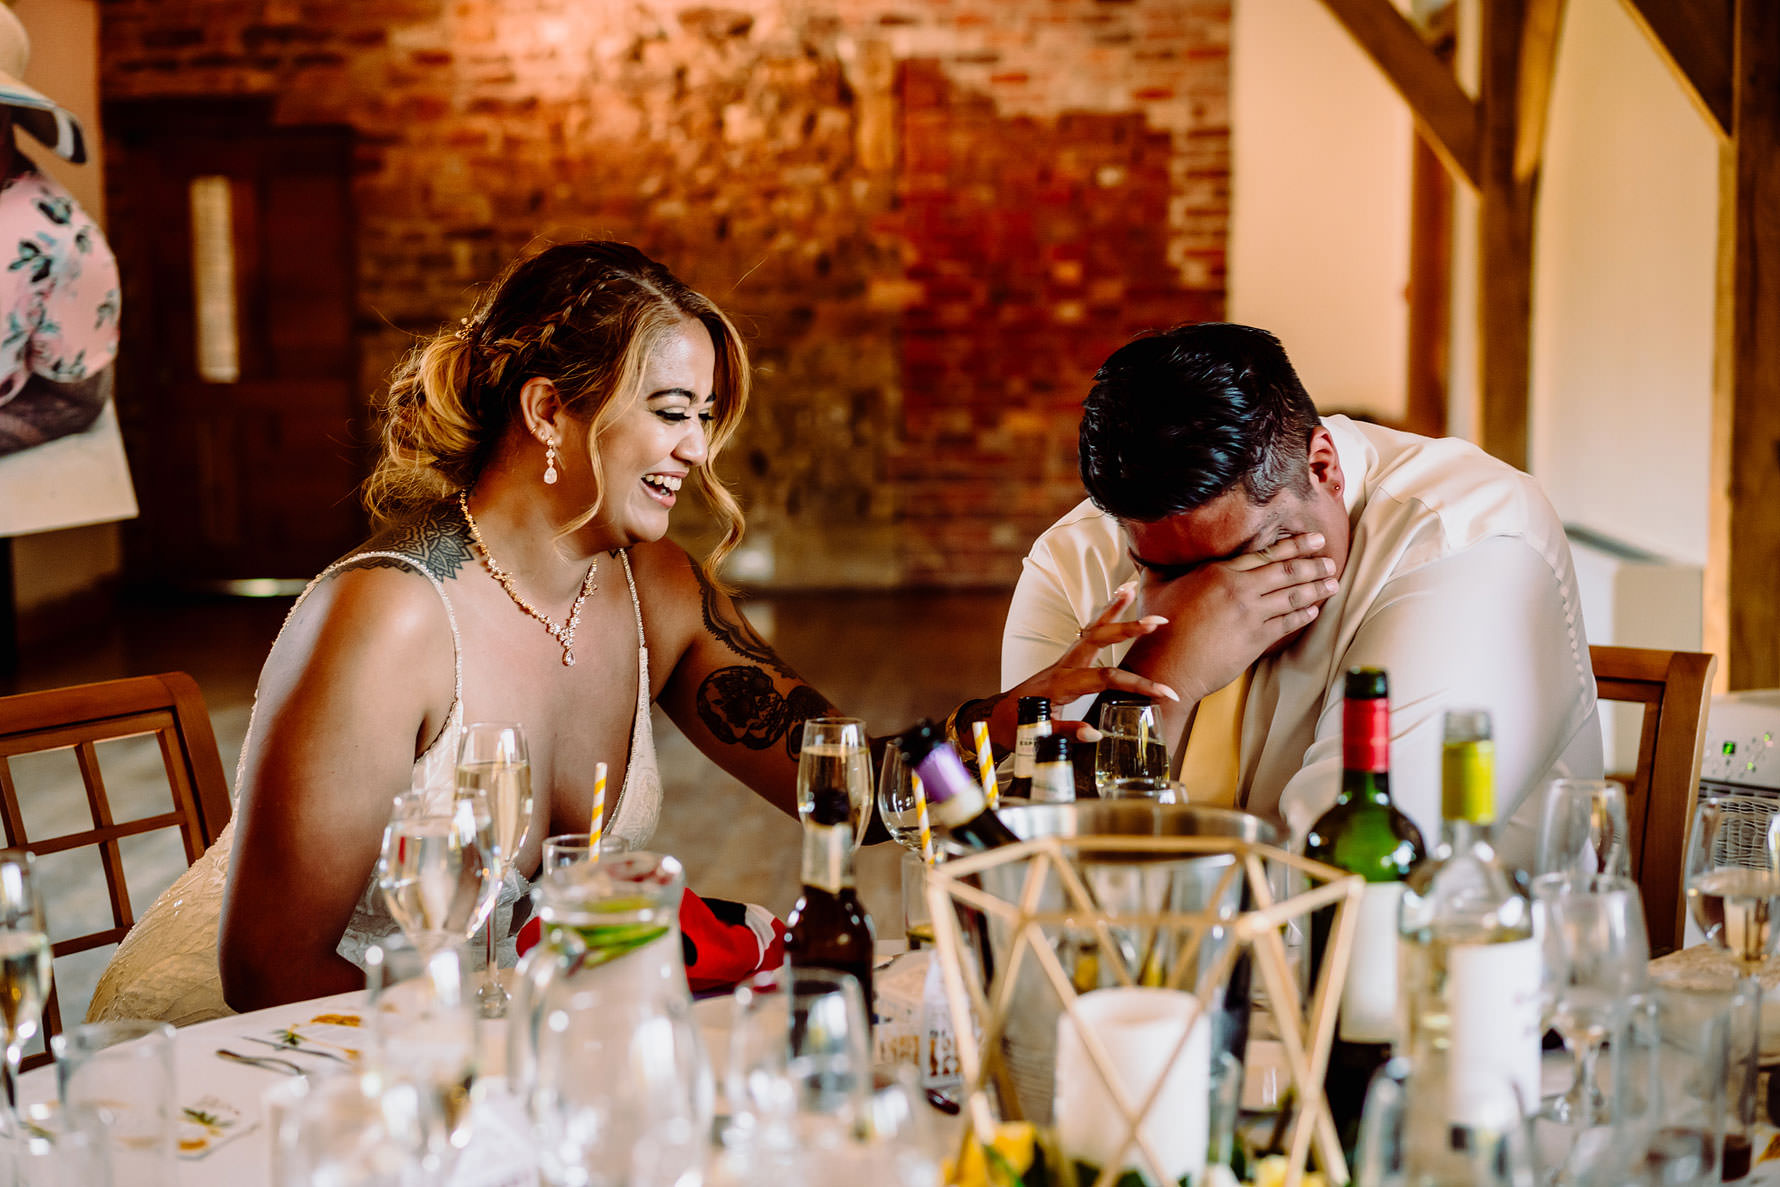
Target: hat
33 111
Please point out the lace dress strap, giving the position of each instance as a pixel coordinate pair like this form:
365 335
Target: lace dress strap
634 814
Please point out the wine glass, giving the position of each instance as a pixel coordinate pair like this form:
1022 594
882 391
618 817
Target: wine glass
835 754
440 867
492 760
24 967
1130 746
1595 953
1582 829
898 805
1733 890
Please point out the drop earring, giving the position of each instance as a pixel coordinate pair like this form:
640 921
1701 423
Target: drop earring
549 463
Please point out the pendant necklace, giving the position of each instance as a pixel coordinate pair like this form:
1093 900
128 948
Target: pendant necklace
563 632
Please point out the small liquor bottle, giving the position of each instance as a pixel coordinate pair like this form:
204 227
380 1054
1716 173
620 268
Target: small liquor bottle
954 799
1053 774
1034 723
828 928
1364 834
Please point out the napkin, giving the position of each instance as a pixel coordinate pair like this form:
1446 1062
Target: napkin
722 942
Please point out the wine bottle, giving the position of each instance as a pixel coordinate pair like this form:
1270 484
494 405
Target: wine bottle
1053 772
1364 834
1471 964
829 928
1034 722
954 799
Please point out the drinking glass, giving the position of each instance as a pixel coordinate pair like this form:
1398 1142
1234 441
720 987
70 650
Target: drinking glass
917 915
1130 746
423 1035
492 761
1594 959
1670 1079
898 805
1405 1138
121 1074
835 753
570 849
348 1131
24 967
1582 829
1733 890
799 1051
440 867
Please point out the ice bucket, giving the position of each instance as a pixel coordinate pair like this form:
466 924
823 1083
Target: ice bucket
1126 884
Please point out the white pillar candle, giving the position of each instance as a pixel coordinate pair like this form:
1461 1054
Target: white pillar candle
1140 1029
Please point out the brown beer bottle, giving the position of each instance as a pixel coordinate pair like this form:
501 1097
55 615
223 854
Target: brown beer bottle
828 928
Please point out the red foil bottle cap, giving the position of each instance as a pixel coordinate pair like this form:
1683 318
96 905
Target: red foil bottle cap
1366 735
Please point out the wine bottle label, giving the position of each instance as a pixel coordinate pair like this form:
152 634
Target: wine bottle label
1493 1001
965 806
1369 996
1026 747
1366 734
1053 783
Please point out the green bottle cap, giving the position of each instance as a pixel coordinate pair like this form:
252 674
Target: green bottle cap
1468 768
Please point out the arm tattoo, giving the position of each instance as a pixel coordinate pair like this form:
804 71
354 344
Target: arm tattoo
739 637
802 704
437 538
741 706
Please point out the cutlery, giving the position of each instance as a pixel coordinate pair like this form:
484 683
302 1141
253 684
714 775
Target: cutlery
270 1063
298 1049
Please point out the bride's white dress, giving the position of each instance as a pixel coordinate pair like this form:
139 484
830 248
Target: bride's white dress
166 967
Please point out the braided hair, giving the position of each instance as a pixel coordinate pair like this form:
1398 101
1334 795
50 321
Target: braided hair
585 316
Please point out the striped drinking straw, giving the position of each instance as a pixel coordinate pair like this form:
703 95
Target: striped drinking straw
599 811
986 764
921 818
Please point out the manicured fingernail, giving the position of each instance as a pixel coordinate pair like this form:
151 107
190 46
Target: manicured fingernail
1312 610
1087 734
1330 584
1153 620
1126 588
1169 693
1314 540
1328 566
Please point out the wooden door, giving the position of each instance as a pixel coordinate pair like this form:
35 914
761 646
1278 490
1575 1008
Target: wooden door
237 371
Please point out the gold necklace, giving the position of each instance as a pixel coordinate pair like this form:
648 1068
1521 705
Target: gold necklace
564 632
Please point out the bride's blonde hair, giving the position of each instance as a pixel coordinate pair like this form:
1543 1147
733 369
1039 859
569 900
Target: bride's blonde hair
585 316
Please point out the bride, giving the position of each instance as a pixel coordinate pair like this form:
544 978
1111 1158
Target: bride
531 459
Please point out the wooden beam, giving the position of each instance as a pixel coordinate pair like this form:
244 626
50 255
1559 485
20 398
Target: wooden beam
1429 353
1744 563
1505 242
1538 61
1440 106
1695 38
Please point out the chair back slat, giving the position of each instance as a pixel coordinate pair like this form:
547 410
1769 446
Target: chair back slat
1674 687
168 708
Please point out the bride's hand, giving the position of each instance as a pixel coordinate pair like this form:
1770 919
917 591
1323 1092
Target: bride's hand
1075 674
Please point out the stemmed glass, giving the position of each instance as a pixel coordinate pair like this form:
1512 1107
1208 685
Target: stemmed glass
24 967
898 806
492 761
835 754
1130 746
440 867
1595 953
1582 829
1733 890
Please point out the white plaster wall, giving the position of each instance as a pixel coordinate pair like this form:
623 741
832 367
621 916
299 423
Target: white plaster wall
1623 293
1319 223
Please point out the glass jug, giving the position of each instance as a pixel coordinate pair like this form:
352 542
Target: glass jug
603 1048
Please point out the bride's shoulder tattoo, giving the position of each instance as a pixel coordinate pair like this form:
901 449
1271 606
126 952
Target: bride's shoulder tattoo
740 637
437 539
741 706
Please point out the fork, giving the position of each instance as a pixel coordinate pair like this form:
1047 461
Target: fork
299 1049
270 1063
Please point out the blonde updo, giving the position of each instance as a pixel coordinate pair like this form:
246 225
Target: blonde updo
585 316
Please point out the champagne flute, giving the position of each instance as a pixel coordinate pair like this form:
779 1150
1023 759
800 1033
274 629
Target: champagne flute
1582 829
440 868
24 967
835 754
1733 890
492 760
1130 746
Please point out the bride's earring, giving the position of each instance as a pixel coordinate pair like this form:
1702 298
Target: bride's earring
549 463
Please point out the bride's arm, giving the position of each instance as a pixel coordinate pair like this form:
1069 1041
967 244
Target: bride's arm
350 694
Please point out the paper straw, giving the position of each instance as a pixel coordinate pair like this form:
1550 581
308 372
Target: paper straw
921 818
599 811
986 764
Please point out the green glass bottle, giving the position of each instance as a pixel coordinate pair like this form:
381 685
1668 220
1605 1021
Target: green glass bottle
1364 834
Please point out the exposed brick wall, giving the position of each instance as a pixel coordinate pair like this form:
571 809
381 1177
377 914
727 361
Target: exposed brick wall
932 218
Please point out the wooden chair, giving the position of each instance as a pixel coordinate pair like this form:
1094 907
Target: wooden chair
1674 687
170 708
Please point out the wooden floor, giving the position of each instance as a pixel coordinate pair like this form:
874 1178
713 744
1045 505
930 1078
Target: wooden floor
886 657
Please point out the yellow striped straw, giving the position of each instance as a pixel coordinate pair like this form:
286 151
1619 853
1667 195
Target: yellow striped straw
599 811
986 763
921 818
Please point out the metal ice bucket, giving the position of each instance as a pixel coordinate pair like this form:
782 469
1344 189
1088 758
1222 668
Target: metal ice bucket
1123 883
